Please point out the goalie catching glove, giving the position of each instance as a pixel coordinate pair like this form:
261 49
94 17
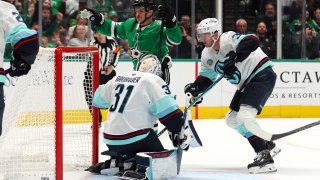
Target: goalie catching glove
96 19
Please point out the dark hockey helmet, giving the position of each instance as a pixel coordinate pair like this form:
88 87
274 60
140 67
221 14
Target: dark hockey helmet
147 4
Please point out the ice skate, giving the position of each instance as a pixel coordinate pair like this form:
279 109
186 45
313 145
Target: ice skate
263 163
274 150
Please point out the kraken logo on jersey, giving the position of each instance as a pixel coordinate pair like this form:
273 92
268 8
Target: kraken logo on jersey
136 54
236 77
218 67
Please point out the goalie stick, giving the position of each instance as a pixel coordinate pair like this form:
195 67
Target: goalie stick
179 149
189 96
194 102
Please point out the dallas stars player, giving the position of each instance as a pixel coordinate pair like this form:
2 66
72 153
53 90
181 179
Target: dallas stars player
142 32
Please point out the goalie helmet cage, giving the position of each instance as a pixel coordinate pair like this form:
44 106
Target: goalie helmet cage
49 114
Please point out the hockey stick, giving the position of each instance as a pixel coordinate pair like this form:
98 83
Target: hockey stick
161 36
278 136
196 100
272 137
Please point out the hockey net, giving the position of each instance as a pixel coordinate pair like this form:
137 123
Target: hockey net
47 120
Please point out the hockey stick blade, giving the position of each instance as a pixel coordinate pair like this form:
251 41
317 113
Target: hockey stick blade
279 136
179 159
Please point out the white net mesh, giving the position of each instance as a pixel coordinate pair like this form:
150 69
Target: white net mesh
27 145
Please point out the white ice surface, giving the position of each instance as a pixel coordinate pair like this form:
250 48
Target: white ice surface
225 154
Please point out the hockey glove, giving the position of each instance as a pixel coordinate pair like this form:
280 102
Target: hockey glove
166 63
174 138
192 88
167 16
182 140
18 68
96 19
229 67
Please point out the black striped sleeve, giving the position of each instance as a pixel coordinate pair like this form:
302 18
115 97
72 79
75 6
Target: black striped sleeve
173 121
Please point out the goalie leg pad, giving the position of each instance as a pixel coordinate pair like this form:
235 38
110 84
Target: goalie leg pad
155 165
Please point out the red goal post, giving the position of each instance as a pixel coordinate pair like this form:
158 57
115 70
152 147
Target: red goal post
59 105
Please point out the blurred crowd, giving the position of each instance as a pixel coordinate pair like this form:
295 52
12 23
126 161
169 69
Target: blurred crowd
294 31
61 22
62 25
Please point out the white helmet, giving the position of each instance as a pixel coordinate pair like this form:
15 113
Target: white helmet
209 25
151 64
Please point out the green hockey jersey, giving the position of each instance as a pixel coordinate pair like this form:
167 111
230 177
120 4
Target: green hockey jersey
145 40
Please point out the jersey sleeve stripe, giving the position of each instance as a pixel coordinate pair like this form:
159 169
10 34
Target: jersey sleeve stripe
25 40
163 106
126 141
98 100
170 42
126 136
208 73
19 32
173 121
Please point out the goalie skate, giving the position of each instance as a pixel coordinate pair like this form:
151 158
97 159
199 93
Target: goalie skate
132 175
138 174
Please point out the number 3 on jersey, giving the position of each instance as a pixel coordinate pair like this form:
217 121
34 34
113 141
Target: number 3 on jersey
119 91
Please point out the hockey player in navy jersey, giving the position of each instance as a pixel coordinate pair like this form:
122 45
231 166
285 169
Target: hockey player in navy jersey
242 62
24 43
143 32
135 101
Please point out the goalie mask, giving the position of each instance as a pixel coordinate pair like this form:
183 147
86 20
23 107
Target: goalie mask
208 27
150 64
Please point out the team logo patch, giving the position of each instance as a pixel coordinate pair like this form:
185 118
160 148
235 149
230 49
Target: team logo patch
210 62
